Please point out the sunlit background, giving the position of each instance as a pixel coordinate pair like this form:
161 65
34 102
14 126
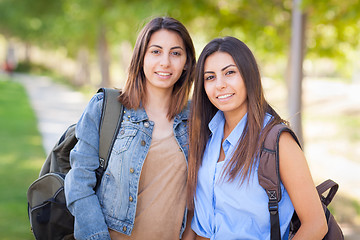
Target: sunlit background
86 44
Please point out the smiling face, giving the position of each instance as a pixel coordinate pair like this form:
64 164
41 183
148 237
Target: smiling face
164 60
224 84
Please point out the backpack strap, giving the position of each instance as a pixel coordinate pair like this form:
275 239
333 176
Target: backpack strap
323 187
111 118
269 174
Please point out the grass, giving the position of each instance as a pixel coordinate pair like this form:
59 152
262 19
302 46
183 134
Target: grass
21 155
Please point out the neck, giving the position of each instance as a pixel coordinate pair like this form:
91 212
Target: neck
231 120
157 102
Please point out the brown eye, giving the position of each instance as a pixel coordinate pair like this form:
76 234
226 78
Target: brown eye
210 77
229 72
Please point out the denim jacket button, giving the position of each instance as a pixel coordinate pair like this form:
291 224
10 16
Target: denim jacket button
143 143
131 170
124 229
146 124
131 199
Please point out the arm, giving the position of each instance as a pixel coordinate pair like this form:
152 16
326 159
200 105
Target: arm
296 177
189 234
81 180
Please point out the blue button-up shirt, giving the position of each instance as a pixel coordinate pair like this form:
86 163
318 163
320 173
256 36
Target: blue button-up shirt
228 210
114 203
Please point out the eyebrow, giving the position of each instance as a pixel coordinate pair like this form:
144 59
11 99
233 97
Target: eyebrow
230 65
158 46
223 69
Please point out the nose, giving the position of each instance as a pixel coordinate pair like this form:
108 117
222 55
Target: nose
220 82
165 60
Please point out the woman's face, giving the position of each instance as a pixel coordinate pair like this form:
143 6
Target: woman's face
164 60
224 84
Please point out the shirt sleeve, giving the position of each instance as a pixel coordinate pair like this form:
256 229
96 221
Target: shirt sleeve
80 181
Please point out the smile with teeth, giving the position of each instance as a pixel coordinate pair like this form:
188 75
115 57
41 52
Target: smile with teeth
163 74
225 96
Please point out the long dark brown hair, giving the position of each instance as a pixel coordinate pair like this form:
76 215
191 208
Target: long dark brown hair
202 111
134 92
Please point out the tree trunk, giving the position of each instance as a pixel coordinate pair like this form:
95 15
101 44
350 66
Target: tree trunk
82 75
296 74
104 60
27 52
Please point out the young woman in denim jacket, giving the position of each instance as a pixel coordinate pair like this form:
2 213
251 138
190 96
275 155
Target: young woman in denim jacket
229 113
143 190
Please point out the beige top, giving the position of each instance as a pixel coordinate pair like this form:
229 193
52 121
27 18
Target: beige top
162 193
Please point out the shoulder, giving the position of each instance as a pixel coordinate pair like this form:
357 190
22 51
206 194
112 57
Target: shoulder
288 137
290 152
185 113
94 107
97 99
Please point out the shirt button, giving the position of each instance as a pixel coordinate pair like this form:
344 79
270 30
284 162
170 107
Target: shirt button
146 124
131 170
143 143
124 229
122 132
131 199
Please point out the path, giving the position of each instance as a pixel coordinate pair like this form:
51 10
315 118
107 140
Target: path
56 106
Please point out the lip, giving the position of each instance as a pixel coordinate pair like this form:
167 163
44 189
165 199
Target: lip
225 96
163 74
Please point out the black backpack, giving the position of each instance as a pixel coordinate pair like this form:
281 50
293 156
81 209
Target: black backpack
48 214
269 179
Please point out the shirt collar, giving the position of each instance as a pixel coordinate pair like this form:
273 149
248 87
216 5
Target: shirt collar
218 121
236 133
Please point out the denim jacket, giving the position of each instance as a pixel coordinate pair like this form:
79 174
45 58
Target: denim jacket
113 205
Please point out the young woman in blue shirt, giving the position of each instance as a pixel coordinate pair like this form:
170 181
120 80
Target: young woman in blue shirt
142 194
229 113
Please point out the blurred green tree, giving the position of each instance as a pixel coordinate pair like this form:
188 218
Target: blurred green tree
333 26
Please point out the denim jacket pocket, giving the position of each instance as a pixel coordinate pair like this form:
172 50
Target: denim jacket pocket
114 201
124 138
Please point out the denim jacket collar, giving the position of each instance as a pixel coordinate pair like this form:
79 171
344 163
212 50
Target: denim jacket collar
136 115
182 116
139 115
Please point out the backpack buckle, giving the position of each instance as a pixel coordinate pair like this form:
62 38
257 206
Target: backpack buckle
273 207
273 203
272 195
101 162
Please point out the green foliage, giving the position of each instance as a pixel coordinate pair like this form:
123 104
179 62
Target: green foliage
333 27
21 155
28 67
